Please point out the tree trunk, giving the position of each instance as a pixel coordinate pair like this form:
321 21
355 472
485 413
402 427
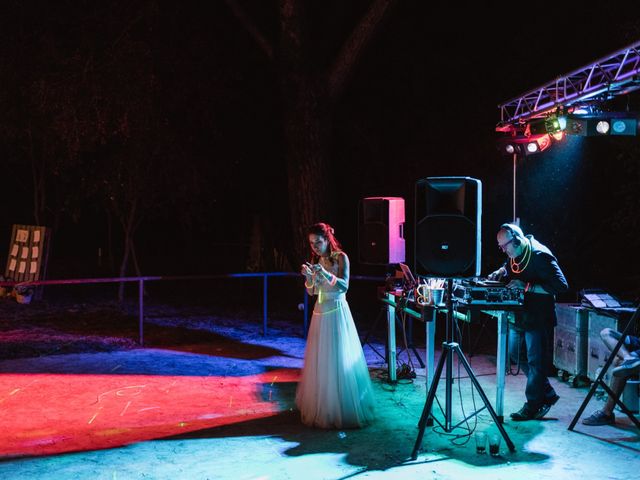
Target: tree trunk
128 224
308 96
110 253
134 256
307 128
307 157
38 176
123 266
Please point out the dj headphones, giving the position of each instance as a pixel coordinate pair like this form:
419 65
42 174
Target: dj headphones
516 233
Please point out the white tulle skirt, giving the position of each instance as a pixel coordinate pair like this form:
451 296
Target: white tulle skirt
335 388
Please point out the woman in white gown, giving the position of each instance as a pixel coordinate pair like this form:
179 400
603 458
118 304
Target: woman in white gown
335 389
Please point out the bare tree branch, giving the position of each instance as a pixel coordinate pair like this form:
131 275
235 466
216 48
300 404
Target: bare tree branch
251 27
354 46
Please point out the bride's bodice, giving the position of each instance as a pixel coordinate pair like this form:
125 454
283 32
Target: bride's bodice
325 290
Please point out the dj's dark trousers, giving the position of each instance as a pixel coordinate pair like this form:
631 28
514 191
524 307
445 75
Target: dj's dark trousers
534 363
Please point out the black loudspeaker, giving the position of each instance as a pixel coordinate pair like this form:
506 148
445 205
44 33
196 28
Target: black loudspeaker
381 230
448 214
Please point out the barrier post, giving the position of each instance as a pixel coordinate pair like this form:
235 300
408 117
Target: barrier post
141 310
264 303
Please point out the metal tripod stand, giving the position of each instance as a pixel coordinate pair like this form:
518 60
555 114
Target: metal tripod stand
382 312
448 350
391 315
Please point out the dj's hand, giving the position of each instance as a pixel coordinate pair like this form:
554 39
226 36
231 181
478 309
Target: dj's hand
497 275
516 284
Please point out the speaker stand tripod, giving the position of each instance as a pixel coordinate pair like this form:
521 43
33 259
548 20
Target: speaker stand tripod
391 354
449 348
372 329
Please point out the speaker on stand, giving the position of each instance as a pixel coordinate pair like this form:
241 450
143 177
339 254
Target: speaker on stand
381 230
447 245
381 241
448 213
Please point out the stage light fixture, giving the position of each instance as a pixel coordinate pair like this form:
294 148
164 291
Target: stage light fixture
576 126
544 142
510 146
523 144
536 127
593 126
602 127
562 121
624 126
552 124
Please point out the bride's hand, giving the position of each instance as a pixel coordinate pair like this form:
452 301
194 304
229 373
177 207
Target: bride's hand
318 268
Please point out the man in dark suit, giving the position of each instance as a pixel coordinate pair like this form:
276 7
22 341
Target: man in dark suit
532 267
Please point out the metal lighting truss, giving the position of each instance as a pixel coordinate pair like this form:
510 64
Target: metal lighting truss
616 74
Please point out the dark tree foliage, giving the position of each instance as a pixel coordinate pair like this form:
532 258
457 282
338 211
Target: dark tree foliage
312 68
183 137
86 114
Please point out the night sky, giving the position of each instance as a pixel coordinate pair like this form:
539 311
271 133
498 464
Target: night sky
178 97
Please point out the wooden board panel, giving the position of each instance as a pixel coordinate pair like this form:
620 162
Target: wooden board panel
28 252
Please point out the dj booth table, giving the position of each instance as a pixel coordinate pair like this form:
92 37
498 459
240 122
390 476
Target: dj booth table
427 314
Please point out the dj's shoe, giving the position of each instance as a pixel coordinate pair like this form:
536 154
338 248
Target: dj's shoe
546 406
525 413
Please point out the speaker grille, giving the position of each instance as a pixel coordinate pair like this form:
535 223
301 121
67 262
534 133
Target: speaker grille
446 244
448 215
374 243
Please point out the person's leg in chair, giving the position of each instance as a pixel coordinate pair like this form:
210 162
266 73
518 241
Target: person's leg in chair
605 415
610 338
